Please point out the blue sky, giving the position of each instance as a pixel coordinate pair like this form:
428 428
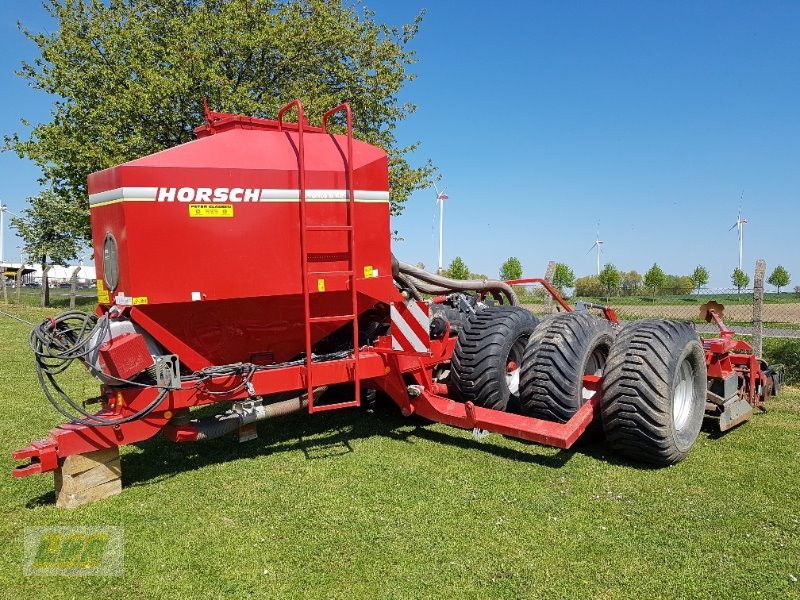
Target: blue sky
544 118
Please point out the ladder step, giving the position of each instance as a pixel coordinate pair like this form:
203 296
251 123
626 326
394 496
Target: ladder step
338 405
332 273
329 227
331 318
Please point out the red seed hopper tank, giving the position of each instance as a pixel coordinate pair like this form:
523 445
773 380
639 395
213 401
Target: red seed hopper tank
252 267
204 240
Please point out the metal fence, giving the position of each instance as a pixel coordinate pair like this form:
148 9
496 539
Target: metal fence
780 313
63 292
750 311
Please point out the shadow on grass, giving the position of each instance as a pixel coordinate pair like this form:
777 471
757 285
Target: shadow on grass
47 499
326 436
329 436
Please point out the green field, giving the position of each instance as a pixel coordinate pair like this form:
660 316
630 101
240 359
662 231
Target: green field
726 298
366 504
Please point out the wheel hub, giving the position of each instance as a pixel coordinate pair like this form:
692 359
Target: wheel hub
683 395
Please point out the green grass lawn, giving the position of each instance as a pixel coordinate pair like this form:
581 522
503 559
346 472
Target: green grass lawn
85 298
361 504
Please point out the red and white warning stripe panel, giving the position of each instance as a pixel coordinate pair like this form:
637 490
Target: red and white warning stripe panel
410 326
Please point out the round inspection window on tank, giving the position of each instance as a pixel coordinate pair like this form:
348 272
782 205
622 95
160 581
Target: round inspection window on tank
110 263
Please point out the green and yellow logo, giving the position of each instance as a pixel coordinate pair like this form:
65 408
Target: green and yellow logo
73 551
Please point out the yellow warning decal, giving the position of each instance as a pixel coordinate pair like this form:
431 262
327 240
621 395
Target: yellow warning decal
320 285
100 287
102 297
211 210
139 300
368 271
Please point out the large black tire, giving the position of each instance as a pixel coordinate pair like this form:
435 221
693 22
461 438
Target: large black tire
560 352
654 391
489 341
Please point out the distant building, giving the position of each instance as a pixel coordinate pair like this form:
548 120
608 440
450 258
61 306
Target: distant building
57 274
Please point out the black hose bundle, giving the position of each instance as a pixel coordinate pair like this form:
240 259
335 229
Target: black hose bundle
58 341
418 280
76 335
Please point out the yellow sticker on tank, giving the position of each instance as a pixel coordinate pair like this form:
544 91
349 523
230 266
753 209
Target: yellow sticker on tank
320 285
368 271
140 300
211 210
100 287
102 297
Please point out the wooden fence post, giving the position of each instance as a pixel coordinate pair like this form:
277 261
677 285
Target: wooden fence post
758 307
73 283
18 281
548 277
45 286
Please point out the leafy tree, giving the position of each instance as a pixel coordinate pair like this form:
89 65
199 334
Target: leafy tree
779 277
48 228
480 276
678 285
610 278
699 277
458 269
563 277
511 269
740 279
588 287
128 77
655 279
631 282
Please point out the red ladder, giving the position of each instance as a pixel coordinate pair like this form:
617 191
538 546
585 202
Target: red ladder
305 230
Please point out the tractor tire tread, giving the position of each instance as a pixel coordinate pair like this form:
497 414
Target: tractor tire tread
551 381
637 394
476 374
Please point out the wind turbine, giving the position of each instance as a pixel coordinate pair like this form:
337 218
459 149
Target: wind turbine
440 198
739 225
598 244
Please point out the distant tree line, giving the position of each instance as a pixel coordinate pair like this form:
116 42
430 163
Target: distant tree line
614 282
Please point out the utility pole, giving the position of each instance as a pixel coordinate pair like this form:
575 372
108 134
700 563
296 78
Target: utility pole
440 198
3 209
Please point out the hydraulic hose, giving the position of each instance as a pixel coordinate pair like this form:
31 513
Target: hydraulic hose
429 283
410 286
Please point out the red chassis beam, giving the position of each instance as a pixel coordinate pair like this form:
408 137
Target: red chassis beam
379 369
70 439
549 433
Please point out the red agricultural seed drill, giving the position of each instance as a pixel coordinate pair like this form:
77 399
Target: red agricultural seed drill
252 267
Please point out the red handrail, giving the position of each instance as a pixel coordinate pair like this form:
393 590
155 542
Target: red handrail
301 176
553 291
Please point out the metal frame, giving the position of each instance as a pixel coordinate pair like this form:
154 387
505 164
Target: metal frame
407 377
378 368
